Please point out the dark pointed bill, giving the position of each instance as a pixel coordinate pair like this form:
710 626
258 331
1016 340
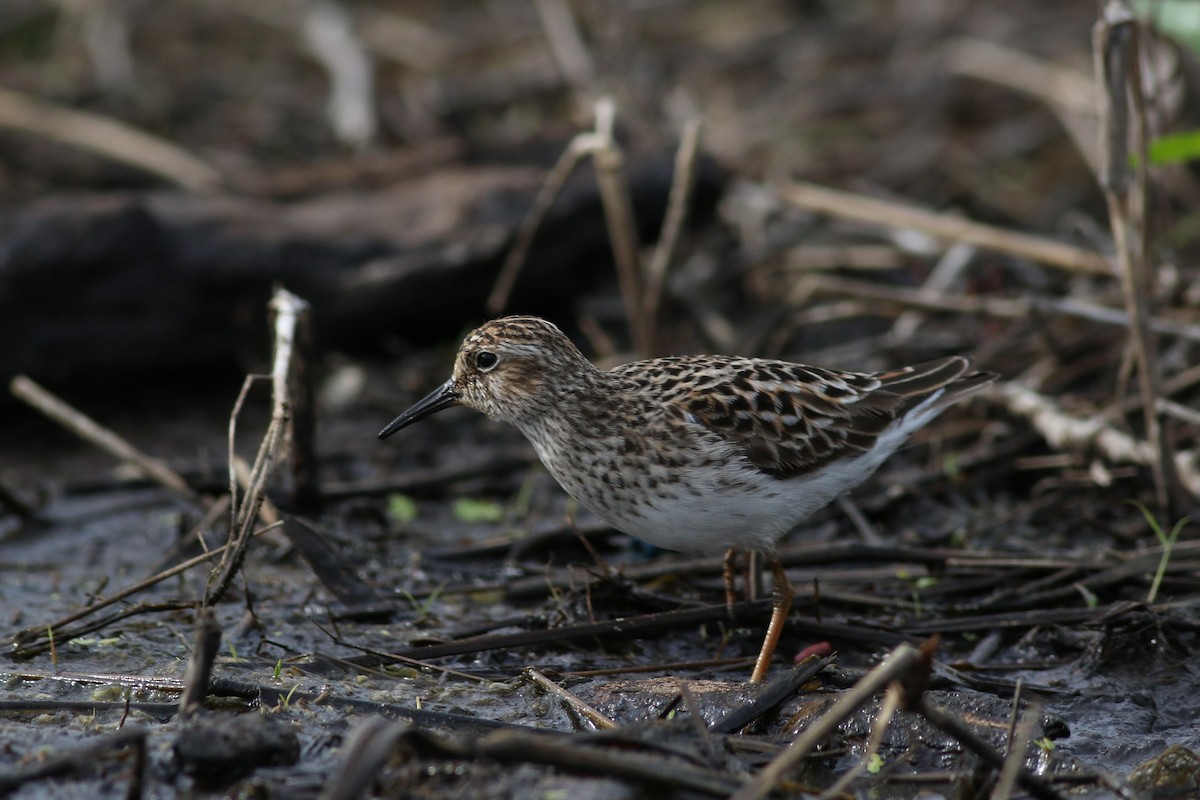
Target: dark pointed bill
435 401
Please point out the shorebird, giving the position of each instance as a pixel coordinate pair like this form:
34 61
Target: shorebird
703 454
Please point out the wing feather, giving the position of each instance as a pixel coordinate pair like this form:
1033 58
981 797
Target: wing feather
790 419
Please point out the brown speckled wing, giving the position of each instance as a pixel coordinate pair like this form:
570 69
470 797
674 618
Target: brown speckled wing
789 419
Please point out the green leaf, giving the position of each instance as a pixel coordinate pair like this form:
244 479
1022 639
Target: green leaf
401 508
874 763
1176 148
469 509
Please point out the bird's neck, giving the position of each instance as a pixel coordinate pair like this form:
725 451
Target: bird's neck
575 408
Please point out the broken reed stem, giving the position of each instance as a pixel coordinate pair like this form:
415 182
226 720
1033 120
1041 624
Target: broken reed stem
906 669
609 162
196 677
683 184
955 229
90 431
1066 433
622 226
22 638
903 660
305 490
366 749
892 701
592 714
109 138
566 45
1117 64
286 308
1000 307
551 186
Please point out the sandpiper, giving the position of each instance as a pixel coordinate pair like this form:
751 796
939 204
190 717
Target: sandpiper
703 454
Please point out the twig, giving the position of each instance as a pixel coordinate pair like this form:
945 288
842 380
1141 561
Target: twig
1034 784
581 755
579 147
1118 73
887 709
199 669
609 159
1019 737
623 626
108 138
332 40
306 489
22 638
566 45
1001 307
80 759
366 749
943 275
903 660
286 308
944 226
678 202
90 431
609 162
1067 432
595 716
1066 91
781 688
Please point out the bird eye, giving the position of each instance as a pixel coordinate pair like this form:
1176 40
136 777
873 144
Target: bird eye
485 360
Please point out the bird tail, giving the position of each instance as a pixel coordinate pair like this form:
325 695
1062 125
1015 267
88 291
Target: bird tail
948 374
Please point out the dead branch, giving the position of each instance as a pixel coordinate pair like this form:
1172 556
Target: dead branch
108 138
1067 432
944 226
287 309
682 185
205 645
92 432
333 41
592 714
1064 90
1123 128
609 161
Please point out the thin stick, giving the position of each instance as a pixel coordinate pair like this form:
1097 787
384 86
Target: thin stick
306 490
609 159
199 669
1034 784
678 203
99 603
1019 736
1001 307
90 431
566 44
108 138
1117 64
597 717
333 40
903 660
1067 432
551 186
897 215
892 700
365 750
286 308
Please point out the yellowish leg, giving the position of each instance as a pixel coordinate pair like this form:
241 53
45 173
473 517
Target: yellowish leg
727 569
783 595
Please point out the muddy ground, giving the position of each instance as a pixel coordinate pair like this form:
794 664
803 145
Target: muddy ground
434 618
